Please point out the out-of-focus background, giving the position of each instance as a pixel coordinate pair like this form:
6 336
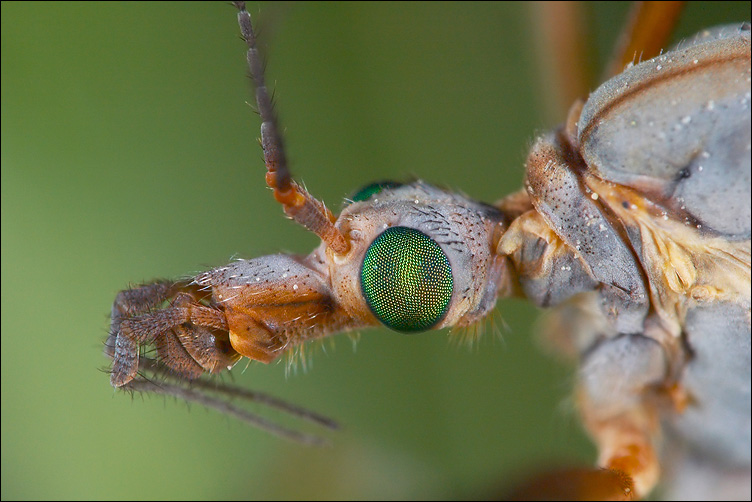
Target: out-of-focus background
129 153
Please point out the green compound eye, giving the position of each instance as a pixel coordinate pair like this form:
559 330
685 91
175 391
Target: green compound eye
406 280
369 191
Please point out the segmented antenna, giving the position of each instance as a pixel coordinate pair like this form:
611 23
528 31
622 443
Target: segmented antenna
298 204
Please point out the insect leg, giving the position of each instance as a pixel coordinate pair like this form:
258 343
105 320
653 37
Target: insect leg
561 49
645 35
616 394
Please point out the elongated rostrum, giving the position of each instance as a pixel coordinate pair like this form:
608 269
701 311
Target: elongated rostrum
633 225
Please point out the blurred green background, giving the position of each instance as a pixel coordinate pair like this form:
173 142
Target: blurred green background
128 153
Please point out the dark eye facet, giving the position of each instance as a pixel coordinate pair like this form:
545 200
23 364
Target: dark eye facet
372 189
406 280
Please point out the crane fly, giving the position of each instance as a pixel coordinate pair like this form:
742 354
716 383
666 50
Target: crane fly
633 227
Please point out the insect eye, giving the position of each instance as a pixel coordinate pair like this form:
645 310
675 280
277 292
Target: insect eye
406 280
372 189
